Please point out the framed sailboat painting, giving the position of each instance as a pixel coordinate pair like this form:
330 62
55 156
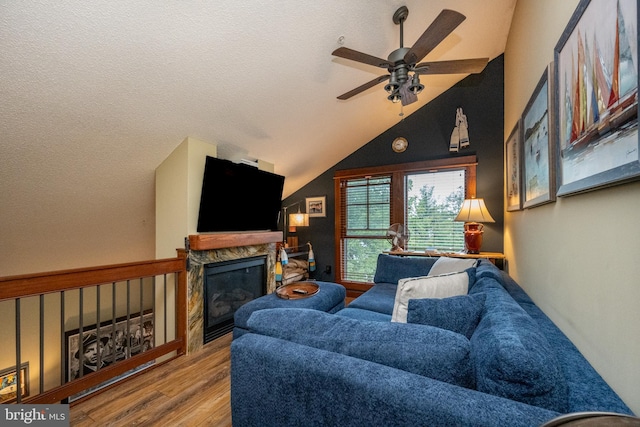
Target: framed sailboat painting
596 80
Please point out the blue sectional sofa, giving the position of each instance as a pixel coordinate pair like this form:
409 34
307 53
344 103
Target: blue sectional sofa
490 357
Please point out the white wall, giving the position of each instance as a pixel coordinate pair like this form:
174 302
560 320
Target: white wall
578 257
178 188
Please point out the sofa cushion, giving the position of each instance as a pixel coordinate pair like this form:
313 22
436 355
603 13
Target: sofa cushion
392 268
511 356
446 285
445 265
432 352
379 298
459 314
358 313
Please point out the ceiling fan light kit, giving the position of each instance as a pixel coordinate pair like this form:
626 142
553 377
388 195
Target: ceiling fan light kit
402 63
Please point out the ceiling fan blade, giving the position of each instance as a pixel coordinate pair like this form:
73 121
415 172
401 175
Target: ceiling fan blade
354 55
439 29
364 87
458 66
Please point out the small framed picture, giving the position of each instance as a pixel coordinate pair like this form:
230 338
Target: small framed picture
538 155
317 206
513 164
9 383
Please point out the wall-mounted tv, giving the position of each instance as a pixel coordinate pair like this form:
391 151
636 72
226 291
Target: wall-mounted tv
238 197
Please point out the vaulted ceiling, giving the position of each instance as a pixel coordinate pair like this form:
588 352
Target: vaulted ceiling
96 94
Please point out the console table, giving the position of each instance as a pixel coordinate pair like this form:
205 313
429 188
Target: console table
496 258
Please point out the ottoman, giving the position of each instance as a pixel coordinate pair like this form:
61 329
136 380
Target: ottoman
329 298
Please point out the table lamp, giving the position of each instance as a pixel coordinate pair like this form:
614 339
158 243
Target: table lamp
473 212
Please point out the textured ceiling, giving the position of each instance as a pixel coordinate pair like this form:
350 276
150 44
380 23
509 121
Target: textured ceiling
96 94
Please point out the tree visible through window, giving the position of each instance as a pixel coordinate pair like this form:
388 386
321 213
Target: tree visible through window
433 201
423 196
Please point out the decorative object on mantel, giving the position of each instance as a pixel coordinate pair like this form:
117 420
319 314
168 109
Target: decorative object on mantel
473 212
460 134
399 144
401 85
312 258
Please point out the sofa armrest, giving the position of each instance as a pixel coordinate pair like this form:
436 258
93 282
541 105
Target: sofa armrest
277 382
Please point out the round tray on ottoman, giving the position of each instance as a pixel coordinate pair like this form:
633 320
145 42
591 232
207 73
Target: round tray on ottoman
297 290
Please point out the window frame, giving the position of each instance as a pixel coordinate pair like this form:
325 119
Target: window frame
398 202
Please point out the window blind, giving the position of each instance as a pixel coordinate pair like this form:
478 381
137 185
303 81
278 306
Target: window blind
433 201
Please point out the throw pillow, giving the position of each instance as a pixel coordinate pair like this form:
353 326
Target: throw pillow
512 357
459 314
424 350
392 268
447 285
444 265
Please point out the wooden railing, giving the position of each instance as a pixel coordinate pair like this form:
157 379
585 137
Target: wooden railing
165 280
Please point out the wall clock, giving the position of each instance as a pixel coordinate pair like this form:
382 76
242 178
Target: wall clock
399 144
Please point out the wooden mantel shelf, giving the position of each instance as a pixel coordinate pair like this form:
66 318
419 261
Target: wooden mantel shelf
204 242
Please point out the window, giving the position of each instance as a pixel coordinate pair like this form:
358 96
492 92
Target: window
424 196
433 201
367 204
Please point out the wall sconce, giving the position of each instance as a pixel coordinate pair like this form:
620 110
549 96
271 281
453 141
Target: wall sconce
473 212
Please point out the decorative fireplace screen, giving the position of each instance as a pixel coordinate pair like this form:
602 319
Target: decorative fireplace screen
227 286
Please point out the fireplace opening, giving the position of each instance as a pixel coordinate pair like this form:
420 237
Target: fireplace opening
228 285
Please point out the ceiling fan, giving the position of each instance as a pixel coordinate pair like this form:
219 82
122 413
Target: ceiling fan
402 64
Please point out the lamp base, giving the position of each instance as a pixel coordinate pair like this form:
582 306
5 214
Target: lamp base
473 237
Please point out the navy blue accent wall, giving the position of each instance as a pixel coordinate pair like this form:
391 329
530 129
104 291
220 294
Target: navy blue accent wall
428 131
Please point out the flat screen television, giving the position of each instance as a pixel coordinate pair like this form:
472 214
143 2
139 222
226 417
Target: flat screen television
238 197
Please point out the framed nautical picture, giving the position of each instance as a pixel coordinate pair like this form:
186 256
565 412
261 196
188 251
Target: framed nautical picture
513 167
317 206
596 62
538 177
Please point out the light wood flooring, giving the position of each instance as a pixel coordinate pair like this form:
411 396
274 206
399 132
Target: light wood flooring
192 390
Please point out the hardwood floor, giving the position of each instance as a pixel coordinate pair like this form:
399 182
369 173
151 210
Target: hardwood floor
193 390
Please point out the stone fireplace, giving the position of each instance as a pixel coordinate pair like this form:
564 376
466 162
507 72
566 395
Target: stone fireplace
204 249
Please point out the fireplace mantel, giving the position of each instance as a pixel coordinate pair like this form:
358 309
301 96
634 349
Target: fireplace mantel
204 242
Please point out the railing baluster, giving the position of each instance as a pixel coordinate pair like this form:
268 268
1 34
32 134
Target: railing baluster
141 312
63 371
128 317
165 308
98 340
113 321
81 334
41 343
155 313
18 355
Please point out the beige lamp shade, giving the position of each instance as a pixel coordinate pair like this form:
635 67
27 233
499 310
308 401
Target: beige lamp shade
298 219
474 210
